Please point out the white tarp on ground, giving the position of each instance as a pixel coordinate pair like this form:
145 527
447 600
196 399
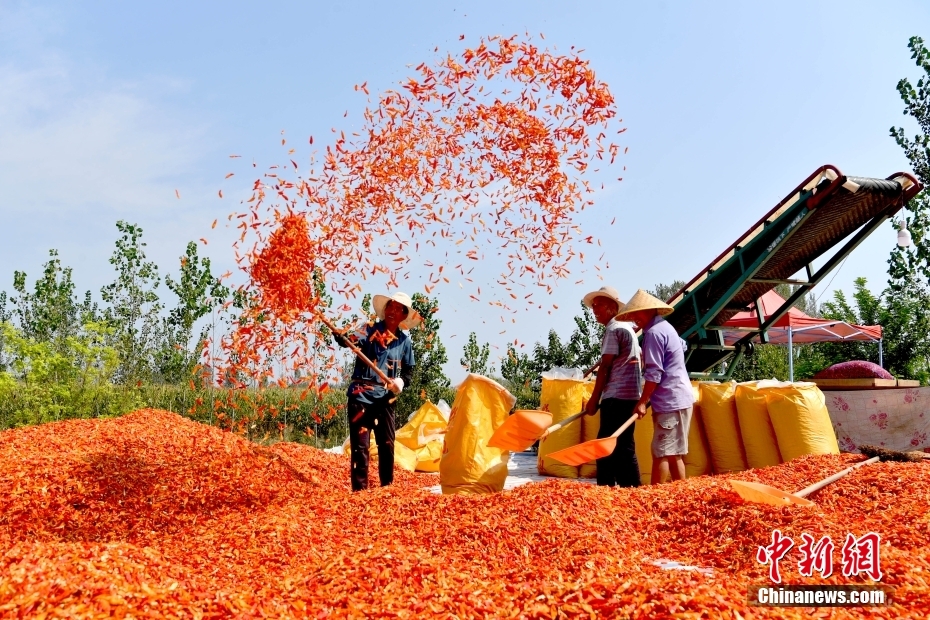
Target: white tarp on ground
896 419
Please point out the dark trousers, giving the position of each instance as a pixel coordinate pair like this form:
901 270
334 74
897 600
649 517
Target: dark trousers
621 467
363 419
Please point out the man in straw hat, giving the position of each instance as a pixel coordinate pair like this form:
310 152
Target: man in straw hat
370 402
617 389
666 384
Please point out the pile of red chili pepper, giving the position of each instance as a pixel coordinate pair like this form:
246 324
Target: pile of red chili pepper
480 157
153 515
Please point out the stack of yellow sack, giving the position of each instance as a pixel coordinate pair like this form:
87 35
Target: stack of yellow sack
590 425
468 464
755 424
423 434
564 393
718 408
801 420
763 423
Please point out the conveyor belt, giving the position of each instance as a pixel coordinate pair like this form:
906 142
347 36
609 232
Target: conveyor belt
818 215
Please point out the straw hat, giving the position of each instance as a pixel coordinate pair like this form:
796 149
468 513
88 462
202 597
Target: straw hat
605 291
644 301
413 317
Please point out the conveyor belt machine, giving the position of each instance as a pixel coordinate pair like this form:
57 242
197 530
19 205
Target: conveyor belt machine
818 215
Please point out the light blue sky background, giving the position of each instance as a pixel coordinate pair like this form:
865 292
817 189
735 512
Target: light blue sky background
106 108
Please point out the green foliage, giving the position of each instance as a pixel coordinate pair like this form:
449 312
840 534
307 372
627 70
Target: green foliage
198 292
770 361
134 307
475 358
665 291
867 310
51 312
584 345
521 372
72 378
273 413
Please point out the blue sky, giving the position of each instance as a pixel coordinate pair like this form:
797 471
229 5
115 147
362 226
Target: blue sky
107 108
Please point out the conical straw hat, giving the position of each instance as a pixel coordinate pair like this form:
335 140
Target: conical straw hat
644 301
413 318
605 291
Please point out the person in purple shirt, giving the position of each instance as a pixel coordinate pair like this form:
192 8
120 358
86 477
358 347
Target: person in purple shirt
666 385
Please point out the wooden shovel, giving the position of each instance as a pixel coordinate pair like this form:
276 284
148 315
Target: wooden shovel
591 450
561 424
520 430
764 494
384 378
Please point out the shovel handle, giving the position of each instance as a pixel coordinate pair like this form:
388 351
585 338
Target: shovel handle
819 485
625 426
357 351
564 422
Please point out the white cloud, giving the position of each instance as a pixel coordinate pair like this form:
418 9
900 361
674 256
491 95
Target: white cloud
71 142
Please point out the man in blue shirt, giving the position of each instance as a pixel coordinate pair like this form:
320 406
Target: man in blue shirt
667 385
370 402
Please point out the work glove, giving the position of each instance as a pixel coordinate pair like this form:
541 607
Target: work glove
396 385
341 340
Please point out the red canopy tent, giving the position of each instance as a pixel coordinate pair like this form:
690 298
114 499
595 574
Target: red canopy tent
797 327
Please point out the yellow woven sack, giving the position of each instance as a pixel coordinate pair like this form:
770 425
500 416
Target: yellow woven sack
589 427
423 433
755 427
467 464
562 398
426 424
718 412
697 461
428 456
802 424
404 457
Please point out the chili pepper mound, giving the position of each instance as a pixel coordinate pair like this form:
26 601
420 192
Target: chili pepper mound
155 515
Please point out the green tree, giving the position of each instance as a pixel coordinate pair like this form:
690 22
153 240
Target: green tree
520 378
51 312
475 357
584 345
521 371
5 317
865 309
134 308
198 292
907 297
907 262
665 291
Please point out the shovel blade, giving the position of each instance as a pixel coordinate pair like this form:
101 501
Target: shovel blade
520 430
585 452
764 494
